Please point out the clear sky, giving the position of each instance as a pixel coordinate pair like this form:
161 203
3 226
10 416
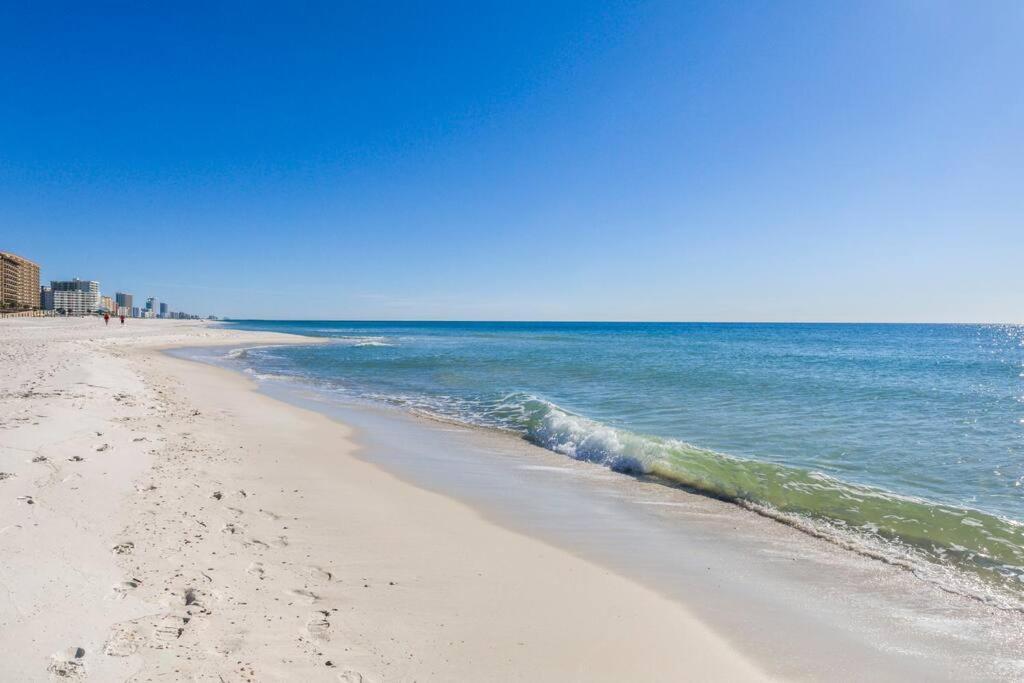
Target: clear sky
552 160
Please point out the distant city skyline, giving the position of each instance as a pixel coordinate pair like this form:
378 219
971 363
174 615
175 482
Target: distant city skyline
24 293
581 161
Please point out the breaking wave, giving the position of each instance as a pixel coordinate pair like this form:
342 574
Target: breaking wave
963 550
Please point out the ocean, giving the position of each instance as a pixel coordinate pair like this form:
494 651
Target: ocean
901 442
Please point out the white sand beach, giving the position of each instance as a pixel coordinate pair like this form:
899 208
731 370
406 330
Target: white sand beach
162 520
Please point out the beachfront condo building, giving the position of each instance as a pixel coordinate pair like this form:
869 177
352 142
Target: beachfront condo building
136 313
123 300
107 304
75 302
163 310
152 307
76 297
19 282
46 297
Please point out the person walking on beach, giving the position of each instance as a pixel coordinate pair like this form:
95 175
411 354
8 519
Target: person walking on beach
106 318
122 320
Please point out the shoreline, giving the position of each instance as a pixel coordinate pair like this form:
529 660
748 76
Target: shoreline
824 474
199 549
888 617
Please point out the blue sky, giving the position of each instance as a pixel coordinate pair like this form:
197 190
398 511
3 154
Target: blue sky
602 161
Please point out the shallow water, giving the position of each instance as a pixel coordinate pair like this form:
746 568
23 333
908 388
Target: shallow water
904 441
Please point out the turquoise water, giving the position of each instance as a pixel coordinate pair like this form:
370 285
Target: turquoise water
905 442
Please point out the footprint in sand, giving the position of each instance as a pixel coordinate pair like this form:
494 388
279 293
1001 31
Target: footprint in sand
125 548
309 597
256 569
122 589
68 664
256 543
168 629
318 574
319 626
123 642
191 597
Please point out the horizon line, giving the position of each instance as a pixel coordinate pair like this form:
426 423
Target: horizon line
618 322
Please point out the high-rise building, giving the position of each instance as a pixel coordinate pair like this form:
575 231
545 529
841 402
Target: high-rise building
135 312
46 298
163 310
153 304
19 282
107 304
75 302
123 301
76 297
76 285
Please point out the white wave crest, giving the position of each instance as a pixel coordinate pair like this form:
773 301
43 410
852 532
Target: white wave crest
360 342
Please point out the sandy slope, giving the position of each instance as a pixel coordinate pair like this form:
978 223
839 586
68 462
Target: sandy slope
161 520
